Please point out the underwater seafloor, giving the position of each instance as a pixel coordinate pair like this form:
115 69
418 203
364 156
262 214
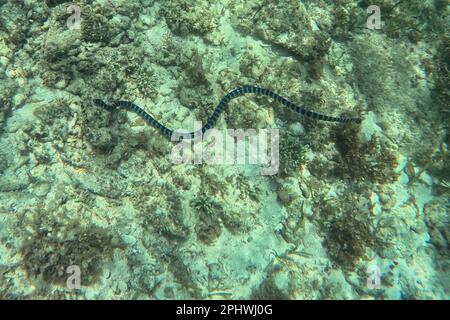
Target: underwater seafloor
356 211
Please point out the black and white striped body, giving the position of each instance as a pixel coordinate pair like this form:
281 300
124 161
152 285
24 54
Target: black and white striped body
219 109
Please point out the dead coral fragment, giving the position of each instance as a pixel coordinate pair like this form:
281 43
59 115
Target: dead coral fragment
187 16
268 290
95 27
274 23
48 253
370 161
348 228
167 225
209 226
347 240
7 90
438 223
292 154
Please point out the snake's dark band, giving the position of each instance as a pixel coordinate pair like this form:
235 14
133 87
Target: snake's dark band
220 107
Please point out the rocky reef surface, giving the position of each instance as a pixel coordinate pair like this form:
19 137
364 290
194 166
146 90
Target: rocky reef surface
83 186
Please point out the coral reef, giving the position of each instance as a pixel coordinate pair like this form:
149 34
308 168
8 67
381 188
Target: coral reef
48 253
83 186
209 226
348 229
187 16
373 160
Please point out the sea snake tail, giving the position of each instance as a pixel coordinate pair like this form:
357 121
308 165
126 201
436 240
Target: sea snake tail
220 107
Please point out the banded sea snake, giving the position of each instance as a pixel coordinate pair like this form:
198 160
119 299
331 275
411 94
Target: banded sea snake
220 107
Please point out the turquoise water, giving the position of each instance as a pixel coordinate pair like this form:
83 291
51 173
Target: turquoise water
278 196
